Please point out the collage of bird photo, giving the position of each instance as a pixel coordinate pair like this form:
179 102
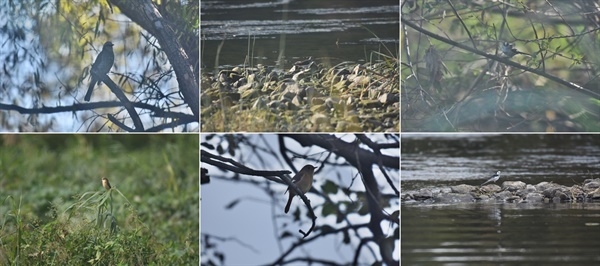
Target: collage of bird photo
289 132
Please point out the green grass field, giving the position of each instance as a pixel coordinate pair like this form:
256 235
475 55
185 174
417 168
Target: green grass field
54 210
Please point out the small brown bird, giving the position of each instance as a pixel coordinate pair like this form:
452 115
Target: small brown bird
105 183
303 181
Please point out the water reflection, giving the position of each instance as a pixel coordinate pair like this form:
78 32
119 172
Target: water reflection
502 233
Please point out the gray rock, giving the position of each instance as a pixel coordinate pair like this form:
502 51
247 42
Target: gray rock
490 188
453 198
591 185
511 191
484 197
561 195
462 189
260 103
503 195
513 186
423 193
543 186
534 197
528 189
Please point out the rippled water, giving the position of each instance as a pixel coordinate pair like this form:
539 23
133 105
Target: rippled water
470 159
267 31
501 234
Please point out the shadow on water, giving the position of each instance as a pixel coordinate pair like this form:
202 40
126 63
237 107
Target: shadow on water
273 32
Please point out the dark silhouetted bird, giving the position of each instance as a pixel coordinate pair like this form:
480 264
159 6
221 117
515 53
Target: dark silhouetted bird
100 67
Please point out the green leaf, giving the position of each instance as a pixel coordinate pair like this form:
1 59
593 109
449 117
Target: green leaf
328 208
329 187
327 229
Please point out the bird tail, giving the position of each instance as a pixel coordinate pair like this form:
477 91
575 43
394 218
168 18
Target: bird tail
88 94
289 203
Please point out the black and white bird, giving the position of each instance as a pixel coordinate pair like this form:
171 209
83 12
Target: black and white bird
508 50
494 178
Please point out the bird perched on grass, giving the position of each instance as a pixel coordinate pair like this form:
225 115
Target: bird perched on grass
494 178
100 67
106 184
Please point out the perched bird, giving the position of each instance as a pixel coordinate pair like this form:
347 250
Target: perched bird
303 181
494 178
509 51
105 183
100 67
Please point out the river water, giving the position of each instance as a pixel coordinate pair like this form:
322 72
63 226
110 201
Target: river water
499 233
273 32
451 159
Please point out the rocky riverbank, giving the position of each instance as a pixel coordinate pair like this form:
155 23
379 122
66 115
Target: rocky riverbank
510 191
309 97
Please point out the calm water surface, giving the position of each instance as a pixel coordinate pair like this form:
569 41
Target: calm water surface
330 31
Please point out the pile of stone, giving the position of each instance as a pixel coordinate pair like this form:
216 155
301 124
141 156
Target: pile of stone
510 191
